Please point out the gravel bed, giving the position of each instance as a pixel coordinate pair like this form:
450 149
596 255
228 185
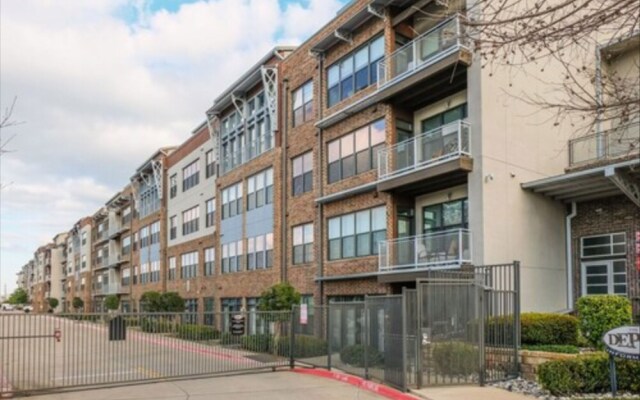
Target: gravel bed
533 389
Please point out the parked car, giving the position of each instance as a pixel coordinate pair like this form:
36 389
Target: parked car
7 307
27 309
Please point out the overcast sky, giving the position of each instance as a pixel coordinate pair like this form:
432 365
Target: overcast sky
100 84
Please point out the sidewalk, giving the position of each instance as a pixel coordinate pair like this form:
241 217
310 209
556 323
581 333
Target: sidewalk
468 393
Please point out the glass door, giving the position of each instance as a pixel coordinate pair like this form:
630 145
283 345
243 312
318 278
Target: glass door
406 228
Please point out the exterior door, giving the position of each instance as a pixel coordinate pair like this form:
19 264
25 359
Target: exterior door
604 277
406 228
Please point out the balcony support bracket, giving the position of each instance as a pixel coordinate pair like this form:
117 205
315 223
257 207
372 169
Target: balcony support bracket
156 165
377 11
239 103
270 83
344 35
627 185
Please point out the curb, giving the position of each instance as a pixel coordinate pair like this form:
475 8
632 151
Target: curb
382 390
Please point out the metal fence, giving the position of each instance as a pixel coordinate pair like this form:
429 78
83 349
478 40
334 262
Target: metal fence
47 352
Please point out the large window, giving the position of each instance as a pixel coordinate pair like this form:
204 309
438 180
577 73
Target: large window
445 216
260 252
357 234
232 201
172 268
189 264
211 212
303 104
451 115
302 173
209 261
232 254
144 237
211 164
260 189
126 215
144 273
303 244
126 277
355 152
354 72
604 277
190 219
173 186
191 175
126 245
191 311
155 271
614 244
173 227
155 233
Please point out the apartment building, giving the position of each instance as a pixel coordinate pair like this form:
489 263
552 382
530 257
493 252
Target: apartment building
112 249
79 265
42 283
58 267
149 228
245 119
191 221
600 188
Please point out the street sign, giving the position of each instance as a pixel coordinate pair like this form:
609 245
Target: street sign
237 324
304 314
623 342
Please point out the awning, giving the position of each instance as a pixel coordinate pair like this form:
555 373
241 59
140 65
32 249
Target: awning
590 184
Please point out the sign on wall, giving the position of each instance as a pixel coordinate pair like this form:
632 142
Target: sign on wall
304 314
623 342
237 324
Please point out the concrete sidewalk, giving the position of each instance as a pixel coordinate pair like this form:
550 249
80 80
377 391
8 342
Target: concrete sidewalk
263 386
468 393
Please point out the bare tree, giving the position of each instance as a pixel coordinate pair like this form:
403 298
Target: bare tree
6 121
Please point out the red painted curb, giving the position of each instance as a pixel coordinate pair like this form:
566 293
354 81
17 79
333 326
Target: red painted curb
382 390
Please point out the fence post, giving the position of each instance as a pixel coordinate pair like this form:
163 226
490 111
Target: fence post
404 339
292 341
366 337
516 311
419 355
328 308
481 326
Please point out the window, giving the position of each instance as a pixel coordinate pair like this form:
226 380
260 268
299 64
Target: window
155 233
211 212
135 275
126 277
260 189
604 277
172 268
357 234
354 72
84 261
232 254
453 114
173 186
211 164
604 245
190 220
229 306
445 216
189 265
155 272
144 273
126 245
260 252
303 104
355 152
209 311
232 201
209 261
303 244
191 311
346 299
84 238
144 237
191 175
302 173
126 215
173 227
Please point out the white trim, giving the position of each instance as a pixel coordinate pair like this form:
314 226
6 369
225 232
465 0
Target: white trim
610 275
611 244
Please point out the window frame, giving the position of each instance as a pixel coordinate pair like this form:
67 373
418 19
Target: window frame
305 177
355 234
610 275
191 175
305 108
611 245
304 245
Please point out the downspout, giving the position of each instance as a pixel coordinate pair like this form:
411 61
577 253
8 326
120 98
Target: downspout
569 254
283 227
320 179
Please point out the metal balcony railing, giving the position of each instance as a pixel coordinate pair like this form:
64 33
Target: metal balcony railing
425 150
426 49
108 288
614 143
114 259
440 250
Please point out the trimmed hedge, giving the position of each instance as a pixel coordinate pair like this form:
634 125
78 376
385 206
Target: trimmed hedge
197 332
156 325
304 346
354 356
548 328
552 348
599 314
456 358
588 374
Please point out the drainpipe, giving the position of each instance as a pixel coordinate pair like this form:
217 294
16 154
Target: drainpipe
283 184
319 175
569 254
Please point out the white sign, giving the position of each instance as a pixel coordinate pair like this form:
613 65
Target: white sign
623 342
303 314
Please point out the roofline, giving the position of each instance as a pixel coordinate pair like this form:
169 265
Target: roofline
577 174
162 150
222 98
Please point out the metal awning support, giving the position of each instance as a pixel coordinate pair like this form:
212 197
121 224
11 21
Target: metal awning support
270 84
376 10
625 183
343 35
239 103
157 176
135 194
214 134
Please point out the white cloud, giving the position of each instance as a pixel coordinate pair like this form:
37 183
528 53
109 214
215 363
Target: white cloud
98 95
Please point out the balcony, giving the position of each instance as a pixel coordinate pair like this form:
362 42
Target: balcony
116 230
114 260
426 50
431 251
614 144
433 159
108 289
102 236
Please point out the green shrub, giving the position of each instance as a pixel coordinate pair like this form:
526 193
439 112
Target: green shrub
156 325
260 343
228 339
455 358
354 356
588 374
553 348
548 328
197 332
303 347
599 314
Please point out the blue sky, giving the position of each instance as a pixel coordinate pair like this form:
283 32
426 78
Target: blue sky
106 82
